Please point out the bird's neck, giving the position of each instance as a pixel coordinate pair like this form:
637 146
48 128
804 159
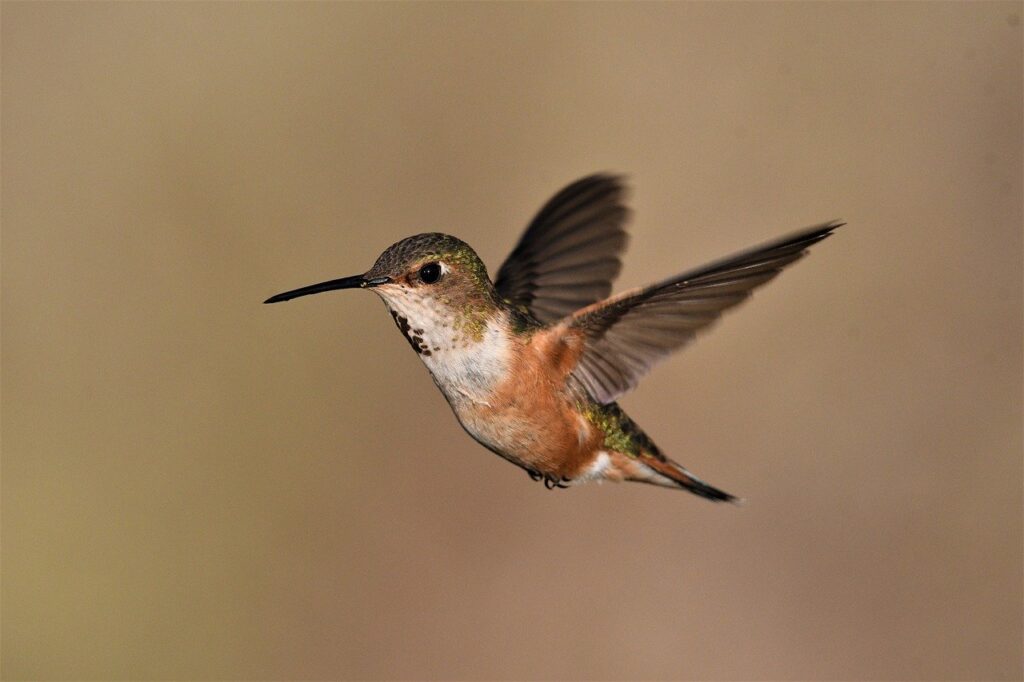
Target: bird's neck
467 350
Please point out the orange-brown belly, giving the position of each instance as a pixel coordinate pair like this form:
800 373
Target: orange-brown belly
550 439
532 418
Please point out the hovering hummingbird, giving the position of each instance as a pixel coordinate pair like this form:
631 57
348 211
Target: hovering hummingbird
532 363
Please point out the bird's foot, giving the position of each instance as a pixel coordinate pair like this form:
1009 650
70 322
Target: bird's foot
550 482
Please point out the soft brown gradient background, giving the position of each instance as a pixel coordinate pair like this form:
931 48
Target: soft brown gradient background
199 486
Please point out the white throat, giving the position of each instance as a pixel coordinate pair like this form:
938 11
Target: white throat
466 363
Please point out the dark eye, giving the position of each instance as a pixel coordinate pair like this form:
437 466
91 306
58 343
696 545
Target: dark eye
430 273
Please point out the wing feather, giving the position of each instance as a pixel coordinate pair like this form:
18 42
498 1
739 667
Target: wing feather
627 334
569 254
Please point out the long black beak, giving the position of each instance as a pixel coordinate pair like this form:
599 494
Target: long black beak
356 282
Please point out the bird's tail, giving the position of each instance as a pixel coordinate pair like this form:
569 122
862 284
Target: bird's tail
668 474
639 459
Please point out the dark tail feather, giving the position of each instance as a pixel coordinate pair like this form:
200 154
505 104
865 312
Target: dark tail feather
708 492
687 481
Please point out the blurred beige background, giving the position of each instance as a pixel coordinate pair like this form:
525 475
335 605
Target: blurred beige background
197 486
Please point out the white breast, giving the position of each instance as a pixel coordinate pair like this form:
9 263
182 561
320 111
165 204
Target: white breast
470 370
464 367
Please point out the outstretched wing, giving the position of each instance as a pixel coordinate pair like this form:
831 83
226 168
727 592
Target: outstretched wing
626 335
569 254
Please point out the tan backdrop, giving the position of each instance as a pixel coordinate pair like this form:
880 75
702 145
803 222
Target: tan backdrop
199 486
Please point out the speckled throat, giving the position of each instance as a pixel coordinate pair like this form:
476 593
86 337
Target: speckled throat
465 347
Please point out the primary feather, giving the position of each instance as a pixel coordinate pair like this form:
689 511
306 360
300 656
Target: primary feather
627 334
569 254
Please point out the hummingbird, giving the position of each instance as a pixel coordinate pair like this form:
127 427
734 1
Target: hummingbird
532 363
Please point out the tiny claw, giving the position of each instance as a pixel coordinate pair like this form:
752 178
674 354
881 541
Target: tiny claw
535 475
551 483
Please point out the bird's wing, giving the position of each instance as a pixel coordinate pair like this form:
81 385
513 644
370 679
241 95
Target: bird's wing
569 254
626 335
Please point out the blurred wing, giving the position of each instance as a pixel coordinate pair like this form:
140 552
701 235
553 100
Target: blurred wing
626 335
569 254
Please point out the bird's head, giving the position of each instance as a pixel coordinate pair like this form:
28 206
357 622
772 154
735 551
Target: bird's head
429 279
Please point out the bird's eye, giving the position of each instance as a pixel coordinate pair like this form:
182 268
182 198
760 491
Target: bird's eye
430 273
